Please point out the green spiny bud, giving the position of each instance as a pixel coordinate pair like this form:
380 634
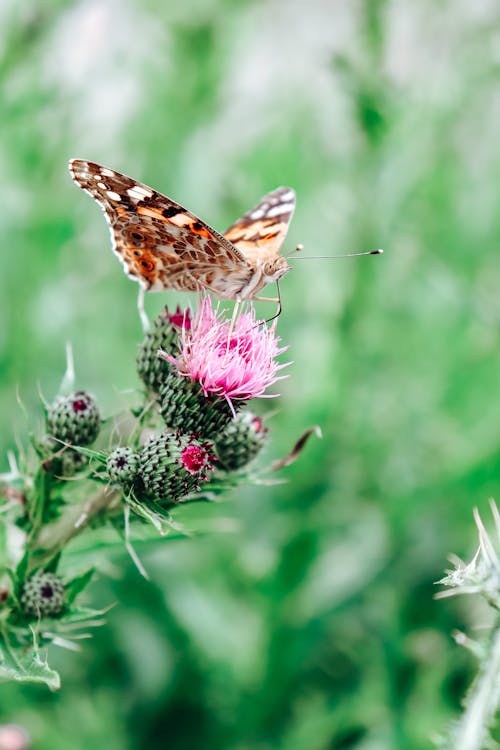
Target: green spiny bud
163 335
43 596
240 441
74 419
173 465
72 462
122 466
184 406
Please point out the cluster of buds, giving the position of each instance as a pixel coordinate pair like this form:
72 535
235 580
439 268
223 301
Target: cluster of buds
199 372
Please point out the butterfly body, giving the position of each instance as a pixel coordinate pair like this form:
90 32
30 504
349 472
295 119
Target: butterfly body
163 246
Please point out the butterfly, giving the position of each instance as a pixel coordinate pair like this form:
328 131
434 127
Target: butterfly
163 246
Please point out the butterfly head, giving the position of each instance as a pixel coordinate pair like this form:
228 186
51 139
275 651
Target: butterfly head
273 270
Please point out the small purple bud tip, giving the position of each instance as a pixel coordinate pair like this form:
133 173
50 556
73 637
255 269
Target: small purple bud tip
79 405
195 458
179 318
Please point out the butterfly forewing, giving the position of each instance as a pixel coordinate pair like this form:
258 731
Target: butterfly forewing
163 246
260 233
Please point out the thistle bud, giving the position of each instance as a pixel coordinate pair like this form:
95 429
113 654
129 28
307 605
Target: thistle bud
174 465
43 596
72 462
74 419
163 335
122 466
184 406
241 441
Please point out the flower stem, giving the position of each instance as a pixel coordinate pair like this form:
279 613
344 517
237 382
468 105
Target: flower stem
482 702
54 536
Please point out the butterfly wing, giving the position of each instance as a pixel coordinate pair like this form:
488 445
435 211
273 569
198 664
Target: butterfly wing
159 243
260 233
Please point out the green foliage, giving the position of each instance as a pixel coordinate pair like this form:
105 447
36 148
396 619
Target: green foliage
26 668
299 616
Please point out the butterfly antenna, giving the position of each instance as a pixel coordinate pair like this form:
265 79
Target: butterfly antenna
234 318
345 255
298 249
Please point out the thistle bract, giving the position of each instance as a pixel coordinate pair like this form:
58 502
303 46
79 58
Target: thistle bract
74 419
163 335
184 406
241 441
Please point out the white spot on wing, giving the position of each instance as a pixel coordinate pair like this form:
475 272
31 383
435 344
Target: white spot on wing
258 214
281 208
107 172
138 193
114 196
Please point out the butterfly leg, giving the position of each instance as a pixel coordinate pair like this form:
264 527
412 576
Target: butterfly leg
266 299
142 312
234 318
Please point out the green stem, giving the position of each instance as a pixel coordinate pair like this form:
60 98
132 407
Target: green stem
39 498
482 702
54 536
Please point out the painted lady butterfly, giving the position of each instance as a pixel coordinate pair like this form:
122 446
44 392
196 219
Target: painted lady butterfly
163 246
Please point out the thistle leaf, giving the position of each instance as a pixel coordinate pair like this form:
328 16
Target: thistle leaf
26 666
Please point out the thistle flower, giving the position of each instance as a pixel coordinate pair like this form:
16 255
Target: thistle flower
163 335
13 737
482 574
482 702
231 361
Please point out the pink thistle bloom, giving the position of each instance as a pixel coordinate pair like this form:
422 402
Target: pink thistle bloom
235 364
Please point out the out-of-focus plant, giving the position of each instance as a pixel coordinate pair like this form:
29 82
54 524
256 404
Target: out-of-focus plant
480 576
191 436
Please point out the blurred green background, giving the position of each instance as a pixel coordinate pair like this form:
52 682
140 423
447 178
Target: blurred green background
304 618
